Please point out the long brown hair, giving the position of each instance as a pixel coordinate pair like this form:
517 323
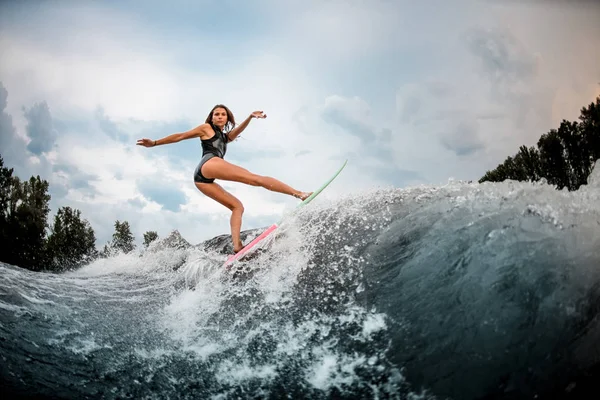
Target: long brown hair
230 118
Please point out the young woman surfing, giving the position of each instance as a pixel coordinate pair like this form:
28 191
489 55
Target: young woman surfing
218 130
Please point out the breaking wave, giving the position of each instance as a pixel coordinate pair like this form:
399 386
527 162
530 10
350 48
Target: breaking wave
466 291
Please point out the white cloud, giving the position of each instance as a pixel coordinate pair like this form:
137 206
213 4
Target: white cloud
126 86
504 82
342 31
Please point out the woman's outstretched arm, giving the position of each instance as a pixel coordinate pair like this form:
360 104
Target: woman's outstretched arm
173 138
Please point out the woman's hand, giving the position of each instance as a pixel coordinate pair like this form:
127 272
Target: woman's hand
258 114
146 142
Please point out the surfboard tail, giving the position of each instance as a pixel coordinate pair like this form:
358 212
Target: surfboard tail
250 245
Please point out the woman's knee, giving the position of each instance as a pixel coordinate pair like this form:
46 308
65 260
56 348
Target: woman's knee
237 207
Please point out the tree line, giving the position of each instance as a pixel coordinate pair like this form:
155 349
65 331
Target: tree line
564 156
28 241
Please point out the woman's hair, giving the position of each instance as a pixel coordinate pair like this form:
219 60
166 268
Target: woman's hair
230 118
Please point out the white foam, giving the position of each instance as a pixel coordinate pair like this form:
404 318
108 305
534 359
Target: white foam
34 300
373 323
332 370
86 346
235 373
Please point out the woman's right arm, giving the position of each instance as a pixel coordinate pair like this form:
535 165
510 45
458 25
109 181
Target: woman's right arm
174 138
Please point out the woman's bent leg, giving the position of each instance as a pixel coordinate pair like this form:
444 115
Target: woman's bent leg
216 192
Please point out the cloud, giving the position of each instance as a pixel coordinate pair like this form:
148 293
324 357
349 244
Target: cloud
93 69
463 140
569 3
442 110
502 57
350 114
245 155
342 128
512 73
169 196
39 128
302 153
137 203
109 127
74 178
3 97
496 94
353 115
395 177
12 146
337 32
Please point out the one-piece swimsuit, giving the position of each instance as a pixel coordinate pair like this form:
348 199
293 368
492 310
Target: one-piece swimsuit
216 146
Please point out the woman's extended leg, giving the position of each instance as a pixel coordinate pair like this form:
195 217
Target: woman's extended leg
216 192
217 168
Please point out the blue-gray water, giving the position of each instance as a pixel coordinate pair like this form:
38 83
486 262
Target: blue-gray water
465 291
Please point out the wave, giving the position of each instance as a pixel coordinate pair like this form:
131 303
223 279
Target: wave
465 291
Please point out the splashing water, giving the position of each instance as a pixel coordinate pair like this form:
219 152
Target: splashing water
462 291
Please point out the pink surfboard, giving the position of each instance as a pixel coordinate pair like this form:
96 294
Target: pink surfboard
252 245
249 246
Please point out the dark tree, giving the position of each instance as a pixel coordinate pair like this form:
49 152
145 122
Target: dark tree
564 157
122 239
6 184
72 241
23 220
149 237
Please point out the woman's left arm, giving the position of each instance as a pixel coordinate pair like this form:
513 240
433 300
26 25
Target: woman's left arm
235 132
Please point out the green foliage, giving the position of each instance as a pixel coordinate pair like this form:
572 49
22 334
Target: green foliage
24 209
71 242
106 251
525 165
122 239
5 191
23 219
149 237
6 184
33 212
564 156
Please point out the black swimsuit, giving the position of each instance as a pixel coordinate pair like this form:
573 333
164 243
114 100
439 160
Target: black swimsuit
216 146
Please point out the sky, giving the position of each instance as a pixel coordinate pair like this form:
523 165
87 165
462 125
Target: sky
410 93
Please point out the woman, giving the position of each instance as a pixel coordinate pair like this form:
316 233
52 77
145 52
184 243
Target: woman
219 129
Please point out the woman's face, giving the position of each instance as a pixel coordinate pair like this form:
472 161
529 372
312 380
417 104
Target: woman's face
219 117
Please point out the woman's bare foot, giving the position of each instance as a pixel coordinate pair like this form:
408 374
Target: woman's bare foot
236 249
302 195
